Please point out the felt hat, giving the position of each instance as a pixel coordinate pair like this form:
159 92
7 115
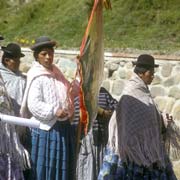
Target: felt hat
43 41
145 60
13 50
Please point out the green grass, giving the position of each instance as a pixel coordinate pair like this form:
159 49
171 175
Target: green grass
140 24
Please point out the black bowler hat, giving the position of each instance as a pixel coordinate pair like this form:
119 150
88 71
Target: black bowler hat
12 50
43 41
146 61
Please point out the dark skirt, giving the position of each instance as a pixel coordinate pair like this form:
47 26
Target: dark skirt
114 169
53 153
9 169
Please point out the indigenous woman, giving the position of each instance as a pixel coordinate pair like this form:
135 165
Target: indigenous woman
13 157
14 80
138 132
15 83
11 151
48 100
92 147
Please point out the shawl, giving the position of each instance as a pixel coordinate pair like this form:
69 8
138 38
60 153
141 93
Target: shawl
9 141
15 84
36 71
138 126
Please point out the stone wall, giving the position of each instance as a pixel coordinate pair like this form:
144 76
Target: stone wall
165 87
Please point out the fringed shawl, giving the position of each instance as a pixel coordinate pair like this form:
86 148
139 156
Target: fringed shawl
9 141
138 121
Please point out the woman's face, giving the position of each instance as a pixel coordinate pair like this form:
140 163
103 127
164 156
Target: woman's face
148 76
12 64
45 57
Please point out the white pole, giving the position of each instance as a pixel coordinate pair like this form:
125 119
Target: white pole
19 121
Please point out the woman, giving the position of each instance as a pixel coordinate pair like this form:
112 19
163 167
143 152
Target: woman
15 83
48 99
137 132
11 151
14 80
92 147
13 157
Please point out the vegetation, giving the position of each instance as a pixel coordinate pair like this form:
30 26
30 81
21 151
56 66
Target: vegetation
140 24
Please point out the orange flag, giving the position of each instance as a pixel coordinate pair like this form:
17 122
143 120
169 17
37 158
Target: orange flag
91 66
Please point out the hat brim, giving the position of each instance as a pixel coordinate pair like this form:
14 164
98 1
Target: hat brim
22 55
135 63
43 44
3 48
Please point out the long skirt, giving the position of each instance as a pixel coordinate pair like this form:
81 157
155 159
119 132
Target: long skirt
114 169
9 169
53 153
89 159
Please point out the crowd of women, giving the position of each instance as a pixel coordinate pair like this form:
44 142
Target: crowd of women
134 146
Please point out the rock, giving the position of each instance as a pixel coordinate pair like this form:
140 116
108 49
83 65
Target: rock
158 91
176 110
106 73
157 80
128 65
176 70
119 74
166 69
169 81
118 86
165 104
24 67
174 92
107 85
176 167
112 66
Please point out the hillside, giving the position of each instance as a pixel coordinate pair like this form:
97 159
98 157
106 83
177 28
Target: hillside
140 24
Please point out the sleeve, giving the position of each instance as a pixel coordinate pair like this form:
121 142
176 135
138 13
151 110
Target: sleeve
111 102
39 109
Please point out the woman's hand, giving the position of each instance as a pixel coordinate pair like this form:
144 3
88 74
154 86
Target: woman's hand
61 113
168 119
104 114
75 88
107 114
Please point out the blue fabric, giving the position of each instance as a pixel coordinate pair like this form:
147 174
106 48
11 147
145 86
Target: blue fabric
114 169
52 154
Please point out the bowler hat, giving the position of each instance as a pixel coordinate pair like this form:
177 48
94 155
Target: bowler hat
145 60
1 37
13 50
43 41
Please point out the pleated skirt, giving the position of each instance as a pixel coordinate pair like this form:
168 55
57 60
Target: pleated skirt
9 168
53 153
114 169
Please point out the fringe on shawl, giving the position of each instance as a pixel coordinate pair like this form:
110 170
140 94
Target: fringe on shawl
113 140
9 141
10 145
172 140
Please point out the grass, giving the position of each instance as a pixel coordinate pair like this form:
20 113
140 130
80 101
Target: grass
141 24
